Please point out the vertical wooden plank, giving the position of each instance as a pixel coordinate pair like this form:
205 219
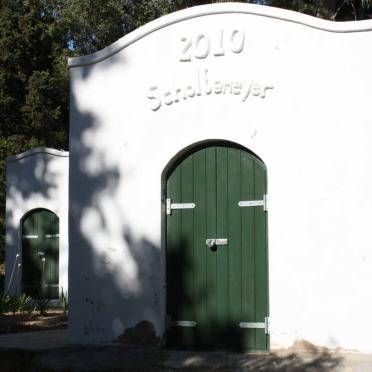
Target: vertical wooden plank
55 251
36 261
26 255
234 247
200 250
46 225
174 260
187 249
211 232
222 251
55 257
31 267
51 249
248 240
260 256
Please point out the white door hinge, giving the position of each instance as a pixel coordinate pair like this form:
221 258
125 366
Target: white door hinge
254 203
169 206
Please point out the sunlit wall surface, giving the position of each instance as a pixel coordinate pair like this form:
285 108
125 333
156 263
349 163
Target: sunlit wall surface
294 90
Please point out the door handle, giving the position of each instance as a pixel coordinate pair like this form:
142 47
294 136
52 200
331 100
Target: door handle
40 254
213 243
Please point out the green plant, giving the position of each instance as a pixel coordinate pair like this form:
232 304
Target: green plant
4 302
13 304
18 303
64 298
42 305
24 302
30 308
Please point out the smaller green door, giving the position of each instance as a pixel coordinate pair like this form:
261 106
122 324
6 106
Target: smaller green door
40 254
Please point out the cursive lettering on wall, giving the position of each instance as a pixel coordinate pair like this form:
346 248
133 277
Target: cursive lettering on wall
203 85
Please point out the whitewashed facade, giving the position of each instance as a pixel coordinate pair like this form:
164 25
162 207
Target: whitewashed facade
294 90
36 179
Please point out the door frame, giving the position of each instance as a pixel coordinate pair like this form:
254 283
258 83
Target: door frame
168 169
20 240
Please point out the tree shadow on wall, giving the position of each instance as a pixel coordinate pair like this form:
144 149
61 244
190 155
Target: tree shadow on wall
115 275
106 300
36 182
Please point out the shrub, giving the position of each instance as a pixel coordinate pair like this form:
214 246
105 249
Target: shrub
4 302
14 303
42 305
64 298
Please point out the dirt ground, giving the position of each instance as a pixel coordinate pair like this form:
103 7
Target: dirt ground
14 323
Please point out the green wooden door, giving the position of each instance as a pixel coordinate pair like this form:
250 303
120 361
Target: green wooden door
40 254
217 296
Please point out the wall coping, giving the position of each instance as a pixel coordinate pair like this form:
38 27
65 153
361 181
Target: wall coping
37 151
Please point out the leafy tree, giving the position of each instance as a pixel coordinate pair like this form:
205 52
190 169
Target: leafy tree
335 10
33 82
92 25
352 10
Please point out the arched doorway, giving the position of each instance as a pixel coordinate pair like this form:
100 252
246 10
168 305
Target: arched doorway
216 249
40 254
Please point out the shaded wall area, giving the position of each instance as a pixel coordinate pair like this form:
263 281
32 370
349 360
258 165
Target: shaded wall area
116 272
37 179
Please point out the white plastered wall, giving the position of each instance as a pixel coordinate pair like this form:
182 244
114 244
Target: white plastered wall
306 115
35 179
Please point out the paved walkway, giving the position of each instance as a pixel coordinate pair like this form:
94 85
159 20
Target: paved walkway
42 340
48 351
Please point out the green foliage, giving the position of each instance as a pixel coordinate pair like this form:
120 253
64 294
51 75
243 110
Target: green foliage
33 83
64 298
340 10
31 308
37 37
92 25
4 302
42 305
31 42
14 303
19 303
24 303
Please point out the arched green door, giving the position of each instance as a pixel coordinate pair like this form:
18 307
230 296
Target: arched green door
40 254
216 251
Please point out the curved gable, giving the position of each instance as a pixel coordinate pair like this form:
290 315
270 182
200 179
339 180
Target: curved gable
217 9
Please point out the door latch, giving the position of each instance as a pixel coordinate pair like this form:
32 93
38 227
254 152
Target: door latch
213 243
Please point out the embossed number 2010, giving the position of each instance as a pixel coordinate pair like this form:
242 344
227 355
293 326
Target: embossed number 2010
201 47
